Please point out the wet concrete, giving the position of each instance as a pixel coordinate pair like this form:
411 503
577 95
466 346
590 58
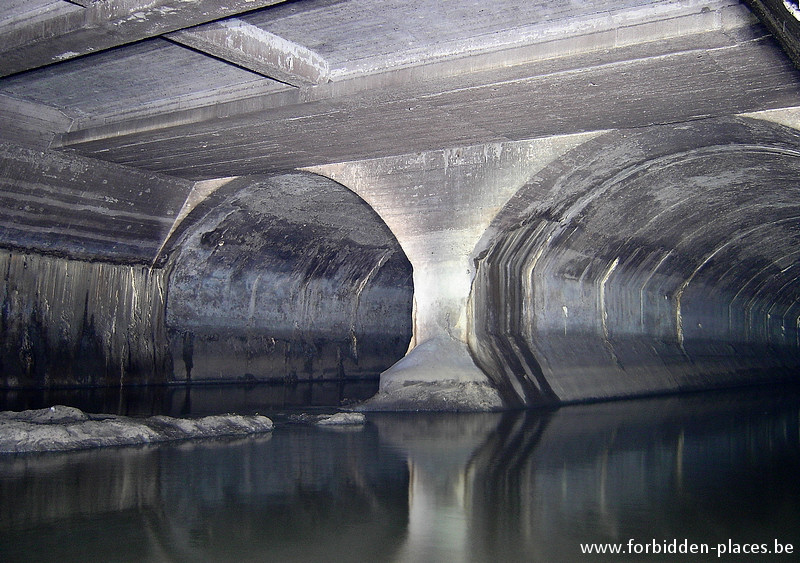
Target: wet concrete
645 261
289 276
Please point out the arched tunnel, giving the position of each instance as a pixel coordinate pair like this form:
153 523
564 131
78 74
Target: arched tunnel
645 261
286 276
630 262
553 204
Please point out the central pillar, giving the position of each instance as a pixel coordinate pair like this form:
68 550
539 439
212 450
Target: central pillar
438 204
438 372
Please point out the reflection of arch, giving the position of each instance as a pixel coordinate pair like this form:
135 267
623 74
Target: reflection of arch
620 268
254 499
543 482
286 275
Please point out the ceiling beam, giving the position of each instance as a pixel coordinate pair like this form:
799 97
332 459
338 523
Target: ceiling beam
250 47
105 24
30 124
782 18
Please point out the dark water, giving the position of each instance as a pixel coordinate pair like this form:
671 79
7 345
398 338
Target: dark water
703 470
194 400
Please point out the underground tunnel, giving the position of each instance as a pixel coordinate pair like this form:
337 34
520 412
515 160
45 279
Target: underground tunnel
645 261
627 263
287 277
544 206
399 281
274 278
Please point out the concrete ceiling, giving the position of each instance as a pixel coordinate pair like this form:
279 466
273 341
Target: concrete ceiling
111 111
210 89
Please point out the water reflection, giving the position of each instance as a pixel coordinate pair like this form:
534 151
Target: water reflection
534 486
707 468
301 495
522 486
439 449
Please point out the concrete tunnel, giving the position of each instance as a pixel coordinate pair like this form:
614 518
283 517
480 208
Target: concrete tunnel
620 263
596 204
597 266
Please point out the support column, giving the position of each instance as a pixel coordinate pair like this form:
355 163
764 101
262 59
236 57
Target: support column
438 204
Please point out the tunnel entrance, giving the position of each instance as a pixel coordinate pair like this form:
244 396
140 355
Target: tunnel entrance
650 260
289 277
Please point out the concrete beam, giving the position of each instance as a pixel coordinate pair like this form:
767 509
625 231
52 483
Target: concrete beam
790 117
250 47
406 111
782 18
30 124
106 24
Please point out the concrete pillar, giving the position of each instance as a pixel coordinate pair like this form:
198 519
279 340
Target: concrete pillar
438 204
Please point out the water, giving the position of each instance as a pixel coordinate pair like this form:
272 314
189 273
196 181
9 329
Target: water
196 399
703 469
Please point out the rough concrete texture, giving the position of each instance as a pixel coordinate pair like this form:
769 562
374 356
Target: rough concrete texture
290 276
82 208
437 375
782 17
67 322
645 261
587 84
61 428
103 25
453 395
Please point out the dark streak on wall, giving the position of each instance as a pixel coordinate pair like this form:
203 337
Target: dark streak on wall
66 322
646 261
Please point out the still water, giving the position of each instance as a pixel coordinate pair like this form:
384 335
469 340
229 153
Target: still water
711 469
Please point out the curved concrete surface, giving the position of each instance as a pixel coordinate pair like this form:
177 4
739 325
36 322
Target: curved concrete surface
645 261
286 276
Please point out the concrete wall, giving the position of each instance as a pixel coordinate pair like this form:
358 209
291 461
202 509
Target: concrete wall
67 205
646 261
282 277
68 322
81 305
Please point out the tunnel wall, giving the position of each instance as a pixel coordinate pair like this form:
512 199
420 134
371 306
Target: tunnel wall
294 278
81 306
286 277
86 209
645 261
70 322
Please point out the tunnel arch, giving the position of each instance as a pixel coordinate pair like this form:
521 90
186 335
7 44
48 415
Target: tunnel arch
287 276
643 261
